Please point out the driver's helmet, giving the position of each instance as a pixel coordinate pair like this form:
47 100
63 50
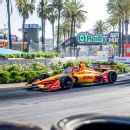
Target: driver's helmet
82 66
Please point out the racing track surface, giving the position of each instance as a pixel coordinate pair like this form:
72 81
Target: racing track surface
44 108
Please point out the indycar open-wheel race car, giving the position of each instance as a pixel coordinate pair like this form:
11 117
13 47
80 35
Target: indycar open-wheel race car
71 76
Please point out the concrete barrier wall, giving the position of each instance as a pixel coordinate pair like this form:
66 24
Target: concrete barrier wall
42 61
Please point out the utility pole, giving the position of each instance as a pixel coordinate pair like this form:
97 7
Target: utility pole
9 26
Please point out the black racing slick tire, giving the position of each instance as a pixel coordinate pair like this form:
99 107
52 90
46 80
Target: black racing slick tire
112 77
66 82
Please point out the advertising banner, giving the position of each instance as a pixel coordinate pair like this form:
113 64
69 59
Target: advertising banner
127 50
122 59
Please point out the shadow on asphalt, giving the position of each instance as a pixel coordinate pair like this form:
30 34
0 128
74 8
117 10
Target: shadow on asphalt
75 87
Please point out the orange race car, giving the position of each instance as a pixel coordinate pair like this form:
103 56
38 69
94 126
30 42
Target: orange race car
71 76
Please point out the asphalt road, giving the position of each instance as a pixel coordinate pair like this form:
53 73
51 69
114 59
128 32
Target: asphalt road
45 108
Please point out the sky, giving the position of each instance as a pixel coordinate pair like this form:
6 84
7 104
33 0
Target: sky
96 10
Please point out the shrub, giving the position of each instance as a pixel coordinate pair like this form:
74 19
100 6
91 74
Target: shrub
69 63
37 67
56 68
15 67
5 77
122 68
31 55
14 73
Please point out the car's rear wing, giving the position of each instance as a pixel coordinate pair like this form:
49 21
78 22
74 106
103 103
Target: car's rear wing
104 67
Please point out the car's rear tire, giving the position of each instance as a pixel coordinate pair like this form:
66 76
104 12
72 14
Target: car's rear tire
112 77
66 82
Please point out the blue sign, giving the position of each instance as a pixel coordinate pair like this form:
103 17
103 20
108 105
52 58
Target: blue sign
113 37
31 26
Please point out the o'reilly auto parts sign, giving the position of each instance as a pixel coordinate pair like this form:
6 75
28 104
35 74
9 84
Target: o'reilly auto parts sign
87 38
113 37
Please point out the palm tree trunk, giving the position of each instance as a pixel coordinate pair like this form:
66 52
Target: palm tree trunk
23 32
68 34
9 26
126 30
119 38
113 28
42 23
74 27
71 34
74 35
42 35
64 37
53 33
58 30
123 38
44 32
71 27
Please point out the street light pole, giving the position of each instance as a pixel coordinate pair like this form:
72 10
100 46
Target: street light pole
9 26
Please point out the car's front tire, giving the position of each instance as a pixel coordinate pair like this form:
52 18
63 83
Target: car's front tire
66 82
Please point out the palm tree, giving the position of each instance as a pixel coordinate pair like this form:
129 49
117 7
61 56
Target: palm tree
73 12
42 11
52 16
9 26
25 8
112 22
121 9
58 4
100 27
65 30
